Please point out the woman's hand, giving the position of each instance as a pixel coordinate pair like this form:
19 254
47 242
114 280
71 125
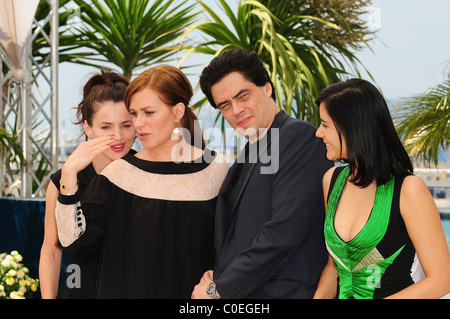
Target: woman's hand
87 151
80 159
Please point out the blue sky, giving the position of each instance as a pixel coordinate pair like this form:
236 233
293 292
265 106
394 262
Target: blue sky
409 53
412 46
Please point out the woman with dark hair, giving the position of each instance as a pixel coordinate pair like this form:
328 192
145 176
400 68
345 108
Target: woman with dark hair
152 211
378 214
108 126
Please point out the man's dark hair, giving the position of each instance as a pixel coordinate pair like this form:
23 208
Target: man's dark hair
239 60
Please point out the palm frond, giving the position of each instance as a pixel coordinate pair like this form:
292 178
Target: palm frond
130 34
10 146
281 33
423 123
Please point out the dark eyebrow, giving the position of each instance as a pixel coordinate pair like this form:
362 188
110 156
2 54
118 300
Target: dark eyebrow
240 92
145 108
221 103
234 97
109 123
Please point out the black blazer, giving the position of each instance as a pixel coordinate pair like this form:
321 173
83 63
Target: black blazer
271 245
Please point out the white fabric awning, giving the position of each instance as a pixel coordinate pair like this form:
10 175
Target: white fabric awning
16 18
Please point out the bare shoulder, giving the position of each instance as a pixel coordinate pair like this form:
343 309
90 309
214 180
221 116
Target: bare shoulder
415 198
413 186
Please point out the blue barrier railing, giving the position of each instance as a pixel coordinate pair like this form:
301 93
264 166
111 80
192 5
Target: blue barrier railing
22 229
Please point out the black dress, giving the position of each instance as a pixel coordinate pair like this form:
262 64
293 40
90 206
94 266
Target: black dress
153 223
86 260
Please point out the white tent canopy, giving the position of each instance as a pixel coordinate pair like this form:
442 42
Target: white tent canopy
16 18
29 96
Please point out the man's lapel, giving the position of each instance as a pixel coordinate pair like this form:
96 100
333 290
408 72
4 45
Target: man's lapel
255 155
222 217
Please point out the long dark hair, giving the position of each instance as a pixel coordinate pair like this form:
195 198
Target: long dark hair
360 114
100 88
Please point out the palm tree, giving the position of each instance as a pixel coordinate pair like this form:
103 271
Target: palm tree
324 35
130 34
423 122
301 63
10 151
67 41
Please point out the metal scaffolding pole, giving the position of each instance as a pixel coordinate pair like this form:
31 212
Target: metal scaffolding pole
24 124
30 108
54 36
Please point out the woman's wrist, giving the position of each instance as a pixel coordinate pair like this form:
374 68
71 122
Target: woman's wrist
68 181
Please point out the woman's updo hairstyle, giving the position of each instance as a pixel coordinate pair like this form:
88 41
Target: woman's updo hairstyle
100 88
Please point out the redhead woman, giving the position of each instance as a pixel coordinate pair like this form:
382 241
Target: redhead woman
378 214
152 211
108 126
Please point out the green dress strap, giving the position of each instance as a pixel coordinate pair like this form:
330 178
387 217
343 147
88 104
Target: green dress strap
359 264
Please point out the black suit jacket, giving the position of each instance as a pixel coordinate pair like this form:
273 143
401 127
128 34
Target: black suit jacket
271 244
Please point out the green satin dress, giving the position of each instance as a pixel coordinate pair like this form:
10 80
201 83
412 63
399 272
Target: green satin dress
359 263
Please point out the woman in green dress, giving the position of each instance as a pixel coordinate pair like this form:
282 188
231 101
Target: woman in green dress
378 214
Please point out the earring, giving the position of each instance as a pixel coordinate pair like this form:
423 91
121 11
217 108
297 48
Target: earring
176 130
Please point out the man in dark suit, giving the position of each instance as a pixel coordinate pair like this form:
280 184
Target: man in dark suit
270 209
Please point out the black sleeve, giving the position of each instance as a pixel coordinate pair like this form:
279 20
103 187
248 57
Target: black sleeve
94 208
